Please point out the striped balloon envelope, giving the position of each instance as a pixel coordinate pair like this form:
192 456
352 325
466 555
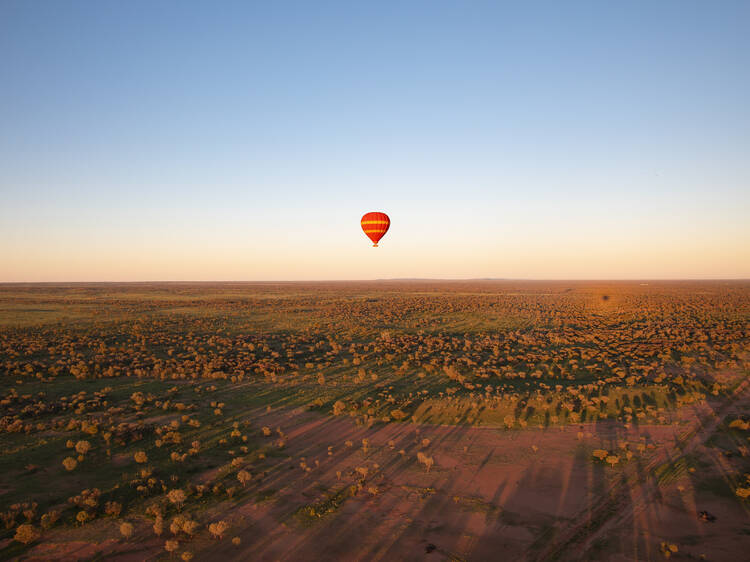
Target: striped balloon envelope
375 226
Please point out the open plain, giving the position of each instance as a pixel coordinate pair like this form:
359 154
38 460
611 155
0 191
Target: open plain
391 420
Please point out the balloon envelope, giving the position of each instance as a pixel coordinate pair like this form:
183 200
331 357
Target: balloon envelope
375 226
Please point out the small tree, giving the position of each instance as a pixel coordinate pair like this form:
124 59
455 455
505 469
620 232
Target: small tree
244 477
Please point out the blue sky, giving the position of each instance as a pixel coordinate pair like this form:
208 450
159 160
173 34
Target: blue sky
239 140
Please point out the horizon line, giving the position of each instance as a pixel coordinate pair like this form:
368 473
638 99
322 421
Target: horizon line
379 280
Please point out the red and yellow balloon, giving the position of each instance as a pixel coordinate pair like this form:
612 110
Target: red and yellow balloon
375 226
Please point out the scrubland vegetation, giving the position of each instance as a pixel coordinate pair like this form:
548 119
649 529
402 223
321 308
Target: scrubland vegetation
173 420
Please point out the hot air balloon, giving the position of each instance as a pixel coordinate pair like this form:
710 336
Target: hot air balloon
375 226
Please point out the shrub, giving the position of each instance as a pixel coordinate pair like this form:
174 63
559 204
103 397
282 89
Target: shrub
189 527
50 518
126 530
159 525
600 454
26 534
218 529
667 549
177 497
112 508
176 526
